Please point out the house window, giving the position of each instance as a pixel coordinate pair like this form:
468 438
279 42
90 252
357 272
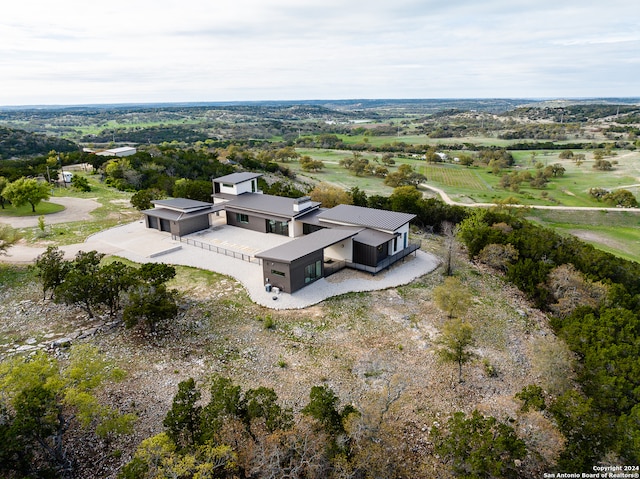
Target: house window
278 273
313 272
242 218
253 186
395 244
227 185
278 227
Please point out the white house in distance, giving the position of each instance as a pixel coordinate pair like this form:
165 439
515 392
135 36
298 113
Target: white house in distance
323 240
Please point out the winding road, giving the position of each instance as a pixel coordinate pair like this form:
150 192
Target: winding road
447 199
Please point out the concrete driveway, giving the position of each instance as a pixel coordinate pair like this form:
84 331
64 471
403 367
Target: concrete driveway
143 245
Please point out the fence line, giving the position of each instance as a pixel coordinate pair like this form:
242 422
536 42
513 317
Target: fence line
217 249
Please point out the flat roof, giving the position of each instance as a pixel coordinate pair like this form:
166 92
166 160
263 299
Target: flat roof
307 244
268 205
373 237
367 217
235 178
175 215
182 204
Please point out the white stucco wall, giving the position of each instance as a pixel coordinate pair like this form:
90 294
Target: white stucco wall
403 231
342 251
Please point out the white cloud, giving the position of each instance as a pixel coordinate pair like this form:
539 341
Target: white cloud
195 50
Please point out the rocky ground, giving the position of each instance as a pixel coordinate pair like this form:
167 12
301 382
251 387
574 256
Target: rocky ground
375 350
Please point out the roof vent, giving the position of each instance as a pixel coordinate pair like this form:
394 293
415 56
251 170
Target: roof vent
301 204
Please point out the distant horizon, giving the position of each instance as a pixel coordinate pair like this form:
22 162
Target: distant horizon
312 101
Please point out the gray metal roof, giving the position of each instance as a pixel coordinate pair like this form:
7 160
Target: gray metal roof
373 237
176 215
235 178
182 204
367 217
267 204
307 244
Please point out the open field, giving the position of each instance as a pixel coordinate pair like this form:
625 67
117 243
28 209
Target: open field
478 184
617 232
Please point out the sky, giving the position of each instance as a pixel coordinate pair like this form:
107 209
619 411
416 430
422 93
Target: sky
142 51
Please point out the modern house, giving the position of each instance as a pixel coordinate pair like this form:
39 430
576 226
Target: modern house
323 240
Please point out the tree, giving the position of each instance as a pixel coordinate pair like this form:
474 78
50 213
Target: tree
150 304
183 419
42 400
602 165
309 164
405 199
262 403
82 285
479 446
454 343
26 190
199 190
452 297
156 273
3 184
499 256
51 269
623 198
8 237
358 197
404 176
329 195
80 183
322 407
555 170
114 280
448 230
141 200
565 155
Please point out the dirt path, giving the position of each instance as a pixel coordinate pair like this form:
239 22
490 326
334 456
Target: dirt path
75 209
447 199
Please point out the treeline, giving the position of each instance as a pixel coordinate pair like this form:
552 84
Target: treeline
595 299
555 131
150 134
16 143
571 113
248 434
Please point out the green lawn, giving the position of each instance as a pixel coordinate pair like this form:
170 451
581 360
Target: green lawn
42 208
115 209
617 232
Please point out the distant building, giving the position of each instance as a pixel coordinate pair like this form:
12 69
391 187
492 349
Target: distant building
121 151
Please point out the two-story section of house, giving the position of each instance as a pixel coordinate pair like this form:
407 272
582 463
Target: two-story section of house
246 206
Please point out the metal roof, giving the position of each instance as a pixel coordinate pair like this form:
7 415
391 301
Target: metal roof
182 204
289 252
235 178
267 204
176 215
367 217
373 237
